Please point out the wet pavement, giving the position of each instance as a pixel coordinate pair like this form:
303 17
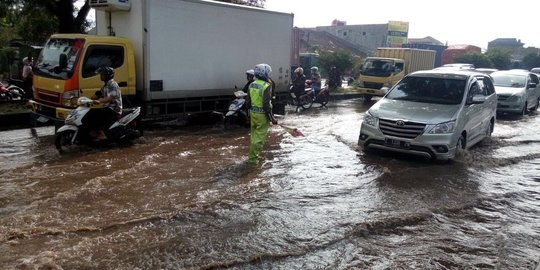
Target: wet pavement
184 199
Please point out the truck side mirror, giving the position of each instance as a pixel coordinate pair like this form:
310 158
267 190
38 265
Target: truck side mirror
62 63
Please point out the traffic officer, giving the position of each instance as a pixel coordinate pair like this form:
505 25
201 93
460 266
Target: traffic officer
259 102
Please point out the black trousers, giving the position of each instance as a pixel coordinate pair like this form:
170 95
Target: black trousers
100 118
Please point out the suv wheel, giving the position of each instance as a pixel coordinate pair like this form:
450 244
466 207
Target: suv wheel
460 145
536 105
524 110
489 129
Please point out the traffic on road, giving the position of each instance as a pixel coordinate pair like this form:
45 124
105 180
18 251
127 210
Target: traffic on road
184 199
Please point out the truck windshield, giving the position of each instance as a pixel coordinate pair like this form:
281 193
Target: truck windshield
377 67
429 90
58 57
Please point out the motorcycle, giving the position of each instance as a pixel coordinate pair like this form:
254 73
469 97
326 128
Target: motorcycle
323 96
237 115
74 132
308 98
11 93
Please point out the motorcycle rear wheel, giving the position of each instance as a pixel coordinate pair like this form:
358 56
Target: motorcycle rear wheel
63 141
323 98
306 101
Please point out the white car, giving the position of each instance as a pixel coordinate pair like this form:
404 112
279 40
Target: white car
432 114
518 91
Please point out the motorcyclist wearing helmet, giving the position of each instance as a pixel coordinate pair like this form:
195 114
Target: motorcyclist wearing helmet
299 83
110 96
259 102
315 80
250 77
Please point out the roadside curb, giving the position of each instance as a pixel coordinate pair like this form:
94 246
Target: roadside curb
341 96
14 120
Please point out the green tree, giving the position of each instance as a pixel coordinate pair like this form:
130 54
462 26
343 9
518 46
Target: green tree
343 61
479 60
531 60
500 58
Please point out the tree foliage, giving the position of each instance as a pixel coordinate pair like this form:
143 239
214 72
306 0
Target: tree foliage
531 60
340 59
479 60
499 58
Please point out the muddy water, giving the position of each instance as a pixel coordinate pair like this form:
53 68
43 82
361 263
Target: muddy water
183 199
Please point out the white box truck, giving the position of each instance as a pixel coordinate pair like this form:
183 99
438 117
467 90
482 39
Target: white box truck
173 57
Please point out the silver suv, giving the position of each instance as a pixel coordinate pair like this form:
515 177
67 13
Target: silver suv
432 114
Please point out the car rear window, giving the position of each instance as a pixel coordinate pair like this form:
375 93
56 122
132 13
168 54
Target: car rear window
509 80
429 90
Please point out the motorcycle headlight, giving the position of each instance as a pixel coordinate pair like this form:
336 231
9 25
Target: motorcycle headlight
443 128
370 120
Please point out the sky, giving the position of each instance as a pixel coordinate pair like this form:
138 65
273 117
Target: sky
473 22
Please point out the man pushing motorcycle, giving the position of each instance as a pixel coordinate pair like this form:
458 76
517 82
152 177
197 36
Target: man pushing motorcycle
110 95
259 102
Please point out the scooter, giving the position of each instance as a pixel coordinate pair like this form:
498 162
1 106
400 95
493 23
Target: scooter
74 132
11 93
237 115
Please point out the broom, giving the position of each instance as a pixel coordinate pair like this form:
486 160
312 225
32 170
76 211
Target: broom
293 131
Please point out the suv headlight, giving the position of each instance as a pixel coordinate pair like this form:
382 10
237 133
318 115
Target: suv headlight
371 120
514 98
443 128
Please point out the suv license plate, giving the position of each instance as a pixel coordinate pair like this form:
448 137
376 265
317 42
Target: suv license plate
396 143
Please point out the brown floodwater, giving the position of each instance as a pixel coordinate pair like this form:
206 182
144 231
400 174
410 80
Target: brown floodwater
183 198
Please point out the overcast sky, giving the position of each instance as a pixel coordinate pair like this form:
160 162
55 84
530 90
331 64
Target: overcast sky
474 22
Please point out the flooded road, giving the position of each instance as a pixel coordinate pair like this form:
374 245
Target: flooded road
183 199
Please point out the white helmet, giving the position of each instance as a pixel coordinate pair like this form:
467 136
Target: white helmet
299 70
250 72
315 69
262 71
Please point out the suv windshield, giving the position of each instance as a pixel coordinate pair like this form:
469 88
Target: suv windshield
509 80
58 57
429 90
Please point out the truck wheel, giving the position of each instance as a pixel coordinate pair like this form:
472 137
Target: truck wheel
63 141
367 98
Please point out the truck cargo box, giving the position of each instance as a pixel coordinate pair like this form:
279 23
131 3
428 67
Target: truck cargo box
415 59
193 49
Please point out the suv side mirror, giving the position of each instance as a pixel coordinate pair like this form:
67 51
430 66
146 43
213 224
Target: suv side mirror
478 99
531 85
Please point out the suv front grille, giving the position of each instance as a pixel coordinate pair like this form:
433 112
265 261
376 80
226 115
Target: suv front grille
400 128
502 97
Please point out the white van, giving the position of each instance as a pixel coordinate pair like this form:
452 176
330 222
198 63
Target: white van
432 114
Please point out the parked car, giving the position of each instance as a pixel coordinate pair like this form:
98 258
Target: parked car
456 66
486 70
432 114
518 91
